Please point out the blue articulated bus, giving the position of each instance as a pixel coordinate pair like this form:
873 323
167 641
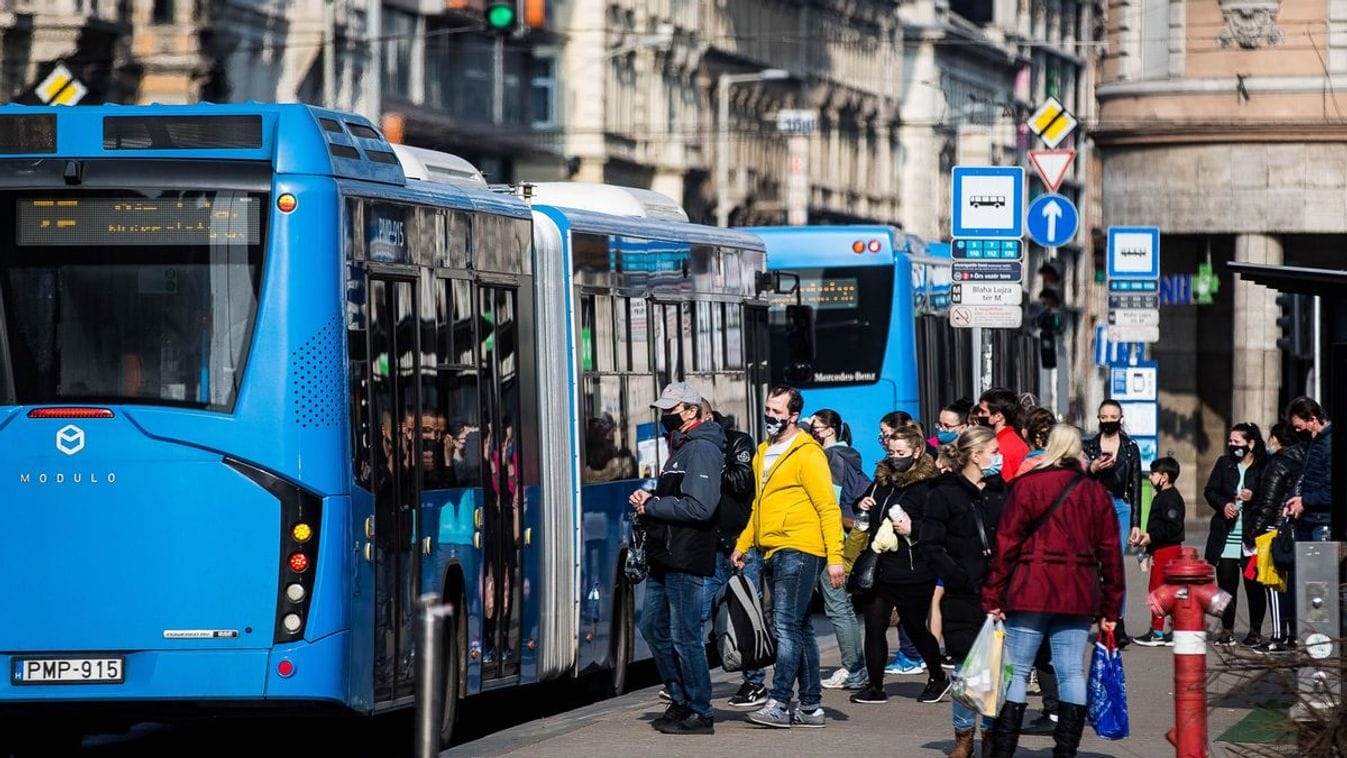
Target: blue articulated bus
845 336
265 378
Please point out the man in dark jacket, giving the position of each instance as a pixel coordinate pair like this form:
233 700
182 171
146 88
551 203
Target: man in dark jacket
737 489
681 547
1313 498
1280 474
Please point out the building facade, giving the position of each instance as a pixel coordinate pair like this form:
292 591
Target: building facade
1221 123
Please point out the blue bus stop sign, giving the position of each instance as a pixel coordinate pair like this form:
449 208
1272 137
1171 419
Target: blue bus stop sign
1052 220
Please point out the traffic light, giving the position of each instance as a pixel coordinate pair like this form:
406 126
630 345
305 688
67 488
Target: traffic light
1049 324
502 16
1295 323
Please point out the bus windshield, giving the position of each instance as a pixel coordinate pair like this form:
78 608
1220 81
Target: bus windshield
133 296
852 308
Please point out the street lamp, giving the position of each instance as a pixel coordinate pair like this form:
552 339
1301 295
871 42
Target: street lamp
723 133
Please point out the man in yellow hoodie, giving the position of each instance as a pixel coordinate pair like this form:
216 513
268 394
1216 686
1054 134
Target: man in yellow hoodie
797 526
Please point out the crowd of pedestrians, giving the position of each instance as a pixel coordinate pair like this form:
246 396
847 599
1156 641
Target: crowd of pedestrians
1001 512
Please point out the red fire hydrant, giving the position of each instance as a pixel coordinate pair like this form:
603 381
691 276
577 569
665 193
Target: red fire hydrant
1189 591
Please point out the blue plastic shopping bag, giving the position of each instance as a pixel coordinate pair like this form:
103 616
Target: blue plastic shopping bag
1107 708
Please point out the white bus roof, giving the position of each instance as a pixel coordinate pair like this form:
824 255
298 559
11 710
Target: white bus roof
435 166
609 198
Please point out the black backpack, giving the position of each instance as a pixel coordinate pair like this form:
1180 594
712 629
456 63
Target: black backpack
743 636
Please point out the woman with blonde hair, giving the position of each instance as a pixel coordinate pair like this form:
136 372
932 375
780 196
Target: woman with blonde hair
956 539
1058 568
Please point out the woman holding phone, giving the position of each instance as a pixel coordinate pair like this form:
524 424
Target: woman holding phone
1113 460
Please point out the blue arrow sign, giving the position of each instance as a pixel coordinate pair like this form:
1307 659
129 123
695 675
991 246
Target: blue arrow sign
1052 220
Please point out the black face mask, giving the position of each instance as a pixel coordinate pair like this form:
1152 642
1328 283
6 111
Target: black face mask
671 422
1305 435
1110 427
901 463
1237 451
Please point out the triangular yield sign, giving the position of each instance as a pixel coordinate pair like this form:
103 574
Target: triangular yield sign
1052 165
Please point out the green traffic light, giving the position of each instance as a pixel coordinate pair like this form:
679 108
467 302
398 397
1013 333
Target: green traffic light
500 17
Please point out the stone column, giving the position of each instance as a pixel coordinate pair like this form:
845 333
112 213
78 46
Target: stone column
1257 362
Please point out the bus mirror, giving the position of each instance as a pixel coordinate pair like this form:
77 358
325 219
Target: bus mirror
800 344
770 281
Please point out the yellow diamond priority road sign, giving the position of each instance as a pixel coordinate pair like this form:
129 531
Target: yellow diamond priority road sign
61 87
1052 122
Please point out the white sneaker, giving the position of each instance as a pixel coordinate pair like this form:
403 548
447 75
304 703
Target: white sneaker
837 680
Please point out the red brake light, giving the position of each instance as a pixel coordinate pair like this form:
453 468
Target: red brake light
299 563
70 413
285 668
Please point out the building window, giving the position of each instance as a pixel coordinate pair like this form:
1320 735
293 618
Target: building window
162 12
399 32
543 91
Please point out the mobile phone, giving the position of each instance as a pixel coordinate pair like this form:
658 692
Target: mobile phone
1105 455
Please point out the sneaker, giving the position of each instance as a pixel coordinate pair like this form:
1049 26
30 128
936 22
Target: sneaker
1274 647
1044 725
857 681
1224 639
749 696
870 695
1154 639
1252 639
947 663
664 696
673 714
837 680
904 666
690 724
773 714
935 691
811 719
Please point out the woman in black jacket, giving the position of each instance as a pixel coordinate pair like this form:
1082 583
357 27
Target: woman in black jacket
956 538
1285 460
1230 492
902 579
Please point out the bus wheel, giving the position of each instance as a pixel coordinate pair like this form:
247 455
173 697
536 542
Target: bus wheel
623 638
454 645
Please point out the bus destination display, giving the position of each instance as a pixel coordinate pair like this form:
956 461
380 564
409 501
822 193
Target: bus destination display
209 219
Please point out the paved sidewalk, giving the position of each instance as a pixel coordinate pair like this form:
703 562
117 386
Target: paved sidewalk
900 727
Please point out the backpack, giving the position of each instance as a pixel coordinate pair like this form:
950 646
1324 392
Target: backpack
855 485
742 635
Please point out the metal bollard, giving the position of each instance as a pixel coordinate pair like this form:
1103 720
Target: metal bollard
1319 627
1189 591
429 695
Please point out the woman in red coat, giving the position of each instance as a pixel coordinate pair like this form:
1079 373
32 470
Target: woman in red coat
1055 572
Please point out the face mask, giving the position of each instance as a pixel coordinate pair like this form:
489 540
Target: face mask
995 467
984 420
1305 435
1237 451
902 463
775 426
671 422
944 437
1110 427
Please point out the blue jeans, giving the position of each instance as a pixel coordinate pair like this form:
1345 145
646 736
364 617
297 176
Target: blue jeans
671 625
842 614
1313 527
967 718
1124 513
752 572
1068 637
793 575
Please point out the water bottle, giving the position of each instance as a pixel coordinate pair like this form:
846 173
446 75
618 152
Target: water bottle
863 521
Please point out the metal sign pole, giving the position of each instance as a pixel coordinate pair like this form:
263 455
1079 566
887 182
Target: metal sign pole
429 692
977 362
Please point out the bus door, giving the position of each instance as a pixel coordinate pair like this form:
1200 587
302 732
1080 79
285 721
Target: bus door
502 486
395 412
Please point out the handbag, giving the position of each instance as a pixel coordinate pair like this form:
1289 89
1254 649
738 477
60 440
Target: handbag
862 577
979 682
1107 690
1283 547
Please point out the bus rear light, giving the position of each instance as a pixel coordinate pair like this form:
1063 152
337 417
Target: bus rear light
299 563
292 622
302 532
285 668
874 246
858 247
70 413
287 202
295 593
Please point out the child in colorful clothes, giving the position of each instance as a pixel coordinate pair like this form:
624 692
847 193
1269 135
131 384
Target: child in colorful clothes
1163 538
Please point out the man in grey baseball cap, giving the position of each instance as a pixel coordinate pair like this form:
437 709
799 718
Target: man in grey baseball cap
681 549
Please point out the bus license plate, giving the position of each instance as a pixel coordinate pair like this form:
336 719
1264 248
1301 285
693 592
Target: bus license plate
99 670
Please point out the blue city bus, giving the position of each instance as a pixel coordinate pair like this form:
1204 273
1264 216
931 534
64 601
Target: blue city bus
845 336
266 378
